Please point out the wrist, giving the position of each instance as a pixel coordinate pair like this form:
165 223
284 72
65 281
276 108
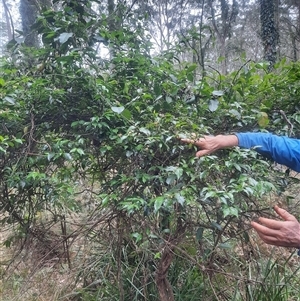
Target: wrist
224 141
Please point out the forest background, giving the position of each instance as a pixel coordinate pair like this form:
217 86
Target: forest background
99 199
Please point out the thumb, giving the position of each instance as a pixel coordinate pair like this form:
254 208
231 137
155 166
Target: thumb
284 214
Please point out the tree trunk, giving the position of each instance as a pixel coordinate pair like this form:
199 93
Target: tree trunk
223 28
269 33
28 12
163 285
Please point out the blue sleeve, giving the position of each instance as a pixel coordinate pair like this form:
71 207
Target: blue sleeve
281 149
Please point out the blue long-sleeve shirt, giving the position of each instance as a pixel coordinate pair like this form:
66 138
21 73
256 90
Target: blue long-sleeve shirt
281 149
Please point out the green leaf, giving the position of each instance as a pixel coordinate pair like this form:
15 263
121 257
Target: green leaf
138 236
209 194
230 211
199 234
168 99
296 117
237 167
246 237
235 113
213 105
158 203
218 93
190 77
171 179
145 131
17 140
50 156
157 88
173 77
2 150
64 37
80 151
68 156
262 119
225 246
127 114
180 199
10 100
178 172
217 226
157 255
118 110
191 68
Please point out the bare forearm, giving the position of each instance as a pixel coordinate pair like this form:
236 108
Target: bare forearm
209 144
225 141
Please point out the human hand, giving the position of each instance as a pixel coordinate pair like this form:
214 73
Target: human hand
284 233
209 144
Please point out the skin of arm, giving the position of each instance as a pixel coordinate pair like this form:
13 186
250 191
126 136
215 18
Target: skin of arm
209 144
285 232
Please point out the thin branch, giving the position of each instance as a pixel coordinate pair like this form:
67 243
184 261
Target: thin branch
130 8
291 126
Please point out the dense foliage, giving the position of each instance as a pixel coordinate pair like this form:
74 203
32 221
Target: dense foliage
100 138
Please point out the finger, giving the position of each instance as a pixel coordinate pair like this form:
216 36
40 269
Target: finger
188 141
269 236
196 140
264 231
256 227
202 153
271 223
270 240
284 214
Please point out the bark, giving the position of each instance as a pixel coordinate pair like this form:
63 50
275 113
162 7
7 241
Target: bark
163 285
161 278
269 33
28 11
111 12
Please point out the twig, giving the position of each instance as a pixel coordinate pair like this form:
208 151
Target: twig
130 8
288 122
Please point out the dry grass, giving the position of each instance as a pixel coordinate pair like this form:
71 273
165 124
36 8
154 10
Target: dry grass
39 269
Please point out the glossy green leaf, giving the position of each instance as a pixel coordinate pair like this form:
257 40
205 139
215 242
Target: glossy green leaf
127 114
118 110
180 199
213 105
199 234
216 226
218 93
10 100
64 37
158 203
230 211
